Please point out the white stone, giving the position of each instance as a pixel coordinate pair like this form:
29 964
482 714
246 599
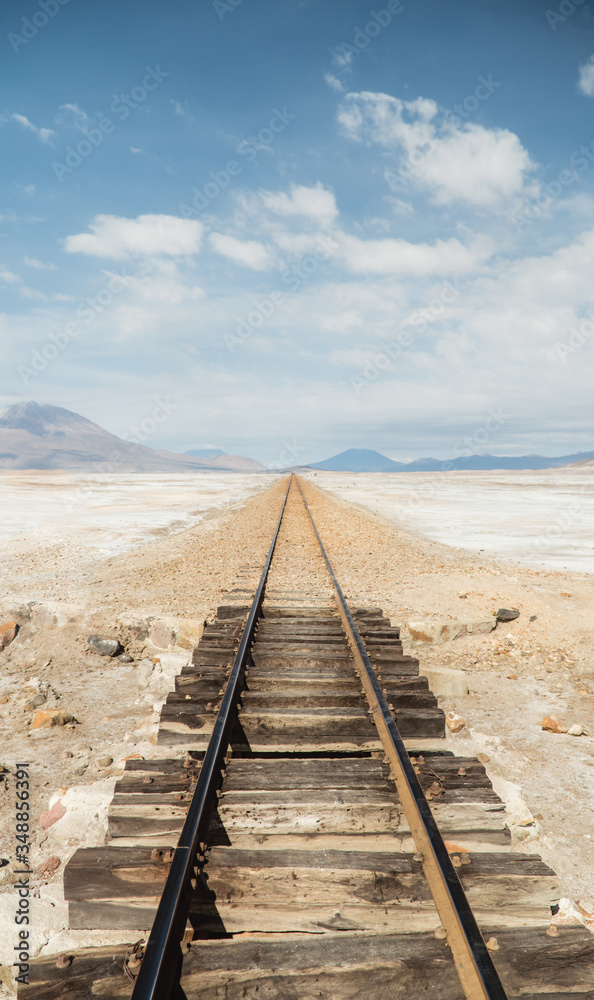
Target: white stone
156 680
438 632
85 821
445 682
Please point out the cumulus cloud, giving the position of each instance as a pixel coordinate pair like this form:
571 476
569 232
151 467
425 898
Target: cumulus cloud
38 264
456 161
249 253
586 78
399 257
43 134
314 203
147 236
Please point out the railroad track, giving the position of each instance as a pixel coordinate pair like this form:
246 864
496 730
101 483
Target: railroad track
319 841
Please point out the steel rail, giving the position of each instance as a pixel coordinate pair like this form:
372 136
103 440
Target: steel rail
474 965
162 956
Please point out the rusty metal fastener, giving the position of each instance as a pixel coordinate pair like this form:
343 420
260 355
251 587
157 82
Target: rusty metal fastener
456 860
133 960
440 933
553 930
148 780
64 961
156 854
417 856
493 944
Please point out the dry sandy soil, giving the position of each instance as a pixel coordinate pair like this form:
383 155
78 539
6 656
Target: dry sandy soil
517 674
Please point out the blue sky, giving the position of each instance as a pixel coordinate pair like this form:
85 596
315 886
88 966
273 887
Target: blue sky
305 226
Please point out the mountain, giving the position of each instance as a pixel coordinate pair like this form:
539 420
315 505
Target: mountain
34 436
365 460
358 460
204 452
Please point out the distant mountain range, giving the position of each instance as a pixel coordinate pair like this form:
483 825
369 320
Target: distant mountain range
34 436
205 452
366 460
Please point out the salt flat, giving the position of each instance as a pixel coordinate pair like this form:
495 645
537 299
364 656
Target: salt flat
533 518
109 514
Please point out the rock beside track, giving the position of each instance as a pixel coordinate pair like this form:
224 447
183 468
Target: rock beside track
507 614
446 631
8 632
105 647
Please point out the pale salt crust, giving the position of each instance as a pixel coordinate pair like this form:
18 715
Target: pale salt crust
532 518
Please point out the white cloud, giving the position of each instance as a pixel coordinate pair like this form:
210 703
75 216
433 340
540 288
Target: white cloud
334 83
397 256
73 116
158 282
455 162
315 203
586 78
146 236
343 56
351 357
179 108
8 277
32 293
43 134
38 264
249 253
297 244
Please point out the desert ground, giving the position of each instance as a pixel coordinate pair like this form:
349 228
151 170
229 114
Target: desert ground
147 558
